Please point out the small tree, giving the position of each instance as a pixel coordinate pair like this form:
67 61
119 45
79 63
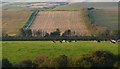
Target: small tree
28 32
46 34
67 33
55 33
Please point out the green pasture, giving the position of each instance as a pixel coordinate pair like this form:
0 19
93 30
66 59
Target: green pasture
16 51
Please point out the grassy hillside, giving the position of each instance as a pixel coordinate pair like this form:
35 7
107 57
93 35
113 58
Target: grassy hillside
20 50
15 6
74 6
107 18
78 6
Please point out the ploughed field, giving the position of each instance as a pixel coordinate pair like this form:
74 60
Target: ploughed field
13 21
49 21
16 51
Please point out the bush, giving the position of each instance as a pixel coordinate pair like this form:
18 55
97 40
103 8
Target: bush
84 62
98 59
61 61
6 63
117 63
25 63
102 59
40 61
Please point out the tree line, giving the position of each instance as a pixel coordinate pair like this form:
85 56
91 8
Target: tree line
57 35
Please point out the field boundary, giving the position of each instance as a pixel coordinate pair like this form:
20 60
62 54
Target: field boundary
30 20
83 38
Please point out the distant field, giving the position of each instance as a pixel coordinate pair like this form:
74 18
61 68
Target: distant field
13 21
79 5
107 18
49 21
15 5
16 51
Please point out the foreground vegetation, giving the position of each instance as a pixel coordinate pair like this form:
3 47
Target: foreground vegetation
98 59
20 50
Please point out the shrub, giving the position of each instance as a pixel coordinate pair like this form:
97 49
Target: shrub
61 61
46 64
117 63
40 61
84 62
71 62
25 63
6 63
98 59
102 59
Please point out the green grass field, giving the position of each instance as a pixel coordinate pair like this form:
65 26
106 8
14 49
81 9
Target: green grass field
16 51
106 16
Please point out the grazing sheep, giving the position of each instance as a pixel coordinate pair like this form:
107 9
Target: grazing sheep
73 41
60 41
98 41
95 41
113 41
63 41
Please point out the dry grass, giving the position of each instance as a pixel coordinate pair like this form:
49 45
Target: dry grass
13 21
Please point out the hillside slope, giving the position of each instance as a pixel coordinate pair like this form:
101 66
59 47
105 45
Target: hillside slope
97 5
106 14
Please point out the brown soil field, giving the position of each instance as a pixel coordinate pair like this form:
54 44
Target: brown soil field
49 21
13 21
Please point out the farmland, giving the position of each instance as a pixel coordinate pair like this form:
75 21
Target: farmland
107 18
20 50
49 21
15 5
13 21
66 30
79 5
106 14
